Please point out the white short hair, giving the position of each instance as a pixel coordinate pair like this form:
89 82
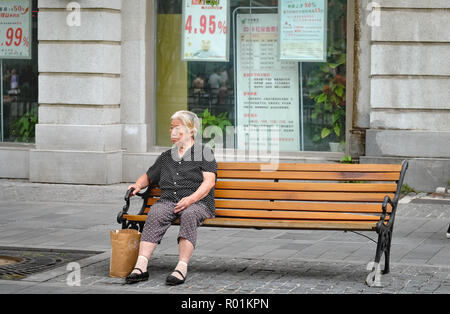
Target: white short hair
189 120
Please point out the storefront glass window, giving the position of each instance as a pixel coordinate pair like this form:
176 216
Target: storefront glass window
20 90
210 89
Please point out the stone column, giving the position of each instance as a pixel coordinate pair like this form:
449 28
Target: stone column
358 74
138 100
78 137
138 97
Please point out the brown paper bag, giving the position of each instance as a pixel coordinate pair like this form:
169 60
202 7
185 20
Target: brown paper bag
124 252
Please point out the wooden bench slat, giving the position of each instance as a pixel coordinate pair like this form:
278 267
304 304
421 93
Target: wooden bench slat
293 215
276 223
288 224
306 186
294 206
301 206
305 196
265 214
310 167
300 196
301 186
329 176
135 217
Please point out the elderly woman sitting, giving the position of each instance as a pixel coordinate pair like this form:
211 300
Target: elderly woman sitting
186 175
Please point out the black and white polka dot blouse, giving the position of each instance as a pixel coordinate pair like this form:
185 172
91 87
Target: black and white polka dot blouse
180 177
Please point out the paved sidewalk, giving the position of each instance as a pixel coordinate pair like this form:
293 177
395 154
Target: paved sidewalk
231 260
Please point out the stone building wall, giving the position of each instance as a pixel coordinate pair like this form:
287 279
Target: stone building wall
406 105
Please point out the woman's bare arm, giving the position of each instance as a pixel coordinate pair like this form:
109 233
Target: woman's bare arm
209 180
141 183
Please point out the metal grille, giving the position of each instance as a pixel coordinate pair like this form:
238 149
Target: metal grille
36 261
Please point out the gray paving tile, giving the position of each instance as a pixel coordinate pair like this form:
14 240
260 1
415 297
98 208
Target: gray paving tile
8 288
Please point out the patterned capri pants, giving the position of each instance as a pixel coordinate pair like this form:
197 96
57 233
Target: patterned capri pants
161 216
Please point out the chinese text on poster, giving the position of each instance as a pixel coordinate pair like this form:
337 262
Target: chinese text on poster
267 88
303 30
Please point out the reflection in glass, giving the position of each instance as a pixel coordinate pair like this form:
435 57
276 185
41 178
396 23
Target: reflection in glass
209 89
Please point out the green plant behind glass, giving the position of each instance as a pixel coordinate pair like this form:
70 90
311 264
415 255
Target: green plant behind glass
220 121
328 89
347 159
24 128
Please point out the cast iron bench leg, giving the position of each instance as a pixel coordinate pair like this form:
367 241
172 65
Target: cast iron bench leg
384 246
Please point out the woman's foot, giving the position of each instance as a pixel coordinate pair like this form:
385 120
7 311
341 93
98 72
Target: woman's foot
179 274
141 264
136 276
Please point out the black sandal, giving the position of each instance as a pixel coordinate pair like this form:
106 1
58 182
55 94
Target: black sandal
173 281
133 278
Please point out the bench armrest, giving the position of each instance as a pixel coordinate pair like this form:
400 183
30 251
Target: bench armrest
400 181
144 195
387 200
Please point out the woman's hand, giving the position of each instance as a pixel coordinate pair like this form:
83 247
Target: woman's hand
184 203
136 188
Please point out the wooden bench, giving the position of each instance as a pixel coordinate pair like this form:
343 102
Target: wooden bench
349 197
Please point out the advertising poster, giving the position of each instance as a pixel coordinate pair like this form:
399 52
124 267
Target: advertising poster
205 30
303 30
15 29
267 88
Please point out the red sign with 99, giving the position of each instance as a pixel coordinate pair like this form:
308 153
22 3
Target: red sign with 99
15 30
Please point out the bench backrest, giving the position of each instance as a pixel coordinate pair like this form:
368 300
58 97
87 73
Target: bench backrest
302 191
